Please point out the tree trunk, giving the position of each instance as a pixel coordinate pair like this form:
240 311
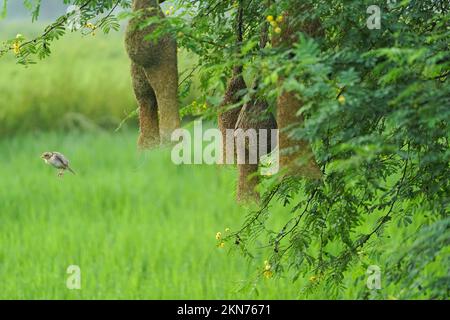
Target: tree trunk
156 93
296 156
254 115
227 119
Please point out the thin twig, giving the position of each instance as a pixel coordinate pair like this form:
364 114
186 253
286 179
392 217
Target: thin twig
54 26
189 75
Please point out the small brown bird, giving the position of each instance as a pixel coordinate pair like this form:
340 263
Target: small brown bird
58 161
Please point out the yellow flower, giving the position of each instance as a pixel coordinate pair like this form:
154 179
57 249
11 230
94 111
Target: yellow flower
341 99
218 235
268 267
273 24
16 47
277 30
280 19
313 279
268 274
227 230
270 18
90 26
221 245
167 12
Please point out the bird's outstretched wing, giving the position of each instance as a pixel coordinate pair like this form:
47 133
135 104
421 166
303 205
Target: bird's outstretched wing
61 158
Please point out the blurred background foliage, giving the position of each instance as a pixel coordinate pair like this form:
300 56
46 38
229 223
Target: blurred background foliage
85 84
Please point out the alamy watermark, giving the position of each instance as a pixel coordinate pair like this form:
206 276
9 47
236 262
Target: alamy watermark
249 146
74 17
73 281
374 20
373 273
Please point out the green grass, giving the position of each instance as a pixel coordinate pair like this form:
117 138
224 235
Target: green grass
137 225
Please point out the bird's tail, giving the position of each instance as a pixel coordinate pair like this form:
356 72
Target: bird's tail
70 169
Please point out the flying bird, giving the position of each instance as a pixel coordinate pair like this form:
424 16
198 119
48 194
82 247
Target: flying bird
58 161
